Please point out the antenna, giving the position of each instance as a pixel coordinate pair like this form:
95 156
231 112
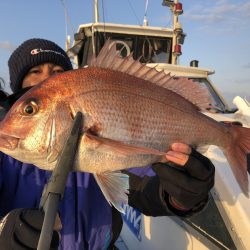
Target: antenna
145 20
96 10
67 21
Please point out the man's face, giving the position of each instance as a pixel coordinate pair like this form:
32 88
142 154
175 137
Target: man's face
40 73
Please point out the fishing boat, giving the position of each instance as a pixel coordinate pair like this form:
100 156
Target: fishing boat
224 224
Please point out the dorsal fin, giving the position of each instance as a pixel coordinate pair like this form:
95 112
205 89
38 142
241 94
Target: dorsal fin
110 58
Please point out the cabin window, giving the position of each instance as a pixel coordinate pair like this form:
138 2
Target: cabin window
148 49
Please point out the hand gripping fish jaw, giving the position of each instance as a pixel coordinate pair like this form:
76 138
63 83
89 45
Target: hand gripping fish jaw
54 190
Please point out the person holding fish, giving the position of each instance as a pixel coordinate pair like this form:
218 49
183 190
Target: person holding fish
177 185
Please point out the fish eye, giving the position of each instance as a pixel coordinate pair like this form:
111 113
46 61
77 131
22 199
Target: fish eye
30 109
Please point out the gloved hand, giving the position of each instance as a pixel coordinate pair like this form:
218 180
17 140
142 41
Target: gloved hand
20 230
186 187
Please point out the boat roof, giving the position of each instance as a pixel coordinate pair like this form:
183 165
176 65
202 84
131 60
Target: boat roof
127 29
180 70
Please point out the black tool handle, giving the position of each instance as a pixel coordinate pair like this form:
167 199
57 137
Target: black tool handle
50 209
54 190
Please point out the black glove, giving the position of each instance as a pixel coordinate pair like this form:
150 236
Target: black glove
186 186
20 230
6 101
3 112
3 98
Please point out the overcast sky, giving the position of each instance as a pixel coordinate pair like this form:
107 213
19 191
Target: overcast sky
218 33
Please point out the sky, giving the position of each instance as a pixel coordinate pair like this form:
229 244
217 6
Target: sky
218 33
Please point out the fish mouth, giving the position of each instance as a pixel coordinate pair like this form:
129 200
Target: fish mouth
8 142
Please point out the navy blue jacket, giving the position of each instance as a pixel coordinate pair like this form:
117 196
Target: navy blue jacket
88 220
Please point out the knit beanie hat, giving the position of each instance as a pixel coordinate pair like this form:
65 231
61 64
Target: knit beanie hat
31 53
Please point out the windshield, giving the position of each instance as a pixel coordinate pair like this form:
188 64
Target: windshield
217 103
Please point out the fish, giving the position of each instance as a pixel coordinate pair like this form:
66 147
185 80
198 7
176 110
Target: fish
132 115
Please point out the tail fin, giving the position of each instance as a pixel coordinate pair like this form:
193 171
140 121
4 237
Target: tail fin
236 154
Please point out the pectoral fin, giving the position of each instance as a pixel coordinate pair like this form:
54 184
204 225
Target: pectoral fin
117 147
114 186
